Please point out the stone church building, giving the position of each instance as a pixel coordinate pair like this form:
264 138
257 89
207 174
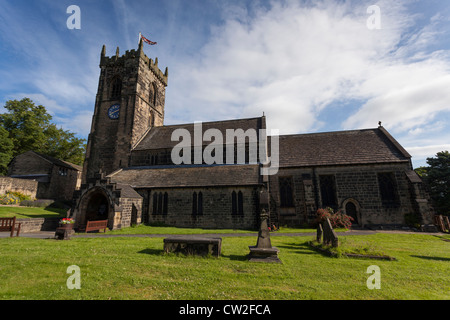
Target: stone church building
130 175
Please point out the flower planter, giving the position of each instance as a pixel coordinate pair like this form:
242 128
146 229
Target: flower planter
65 229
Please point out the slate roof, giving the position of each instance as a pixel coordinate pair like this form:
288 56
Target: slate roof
127 192
59 162
187 176
368 146
160 137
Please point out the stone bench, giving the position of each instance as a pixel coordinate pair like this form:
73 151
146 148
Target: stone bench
193 245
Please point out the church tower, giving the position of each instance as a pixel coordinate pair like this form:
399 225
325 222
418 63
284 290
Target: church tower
130 100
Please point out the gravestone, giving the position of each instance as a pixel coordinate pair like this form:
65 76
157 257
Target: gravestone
319 233
329 236
263 251
439 222
192 245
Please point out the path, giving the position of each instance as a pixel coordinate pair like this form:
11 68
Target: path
51 234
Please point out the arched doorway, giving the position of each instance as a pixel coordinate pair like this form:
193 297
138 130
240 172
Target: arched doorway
351 211
94 205
97 207
351 208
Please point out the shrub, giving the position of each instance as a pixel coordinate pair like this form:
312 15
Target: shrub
13 197
21 196
7 199
337 220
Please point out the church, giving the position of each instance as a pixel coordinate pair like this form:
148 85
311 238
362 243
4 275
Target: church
221 174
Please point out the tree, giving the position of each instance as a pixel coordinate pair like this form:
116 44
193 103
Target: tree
29 127
6 147
437 177
25 123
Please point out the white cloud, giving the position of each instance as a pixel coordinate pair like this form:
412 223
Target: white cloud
293 61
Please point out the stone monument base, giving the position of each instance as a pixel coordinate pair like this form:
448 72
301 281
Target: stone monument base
264 254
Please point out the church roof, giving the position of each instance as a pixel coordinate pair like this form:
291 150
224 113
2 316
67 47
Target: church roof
188 176
160 137
368 146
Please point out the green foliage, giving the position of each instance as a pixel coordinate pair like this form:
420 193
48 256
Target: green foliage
8 199
437 178
6 150
29 127
13 197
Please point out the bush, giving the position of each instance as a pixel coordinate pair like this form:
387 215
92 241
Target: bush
337 220
8 199
21 196
13 197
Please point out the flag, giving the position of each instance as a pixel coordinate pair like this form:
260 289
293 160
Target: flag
146 40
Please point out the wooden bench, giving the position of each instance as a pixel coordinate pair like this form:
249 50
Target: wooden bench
96 225
10 225
193 245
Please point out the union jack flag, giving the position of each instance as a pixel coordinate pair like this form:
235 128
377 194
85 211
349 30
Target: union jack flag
147 41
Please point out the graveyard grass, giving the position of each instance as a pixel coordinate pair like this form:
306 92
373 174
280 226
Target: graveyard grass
137 268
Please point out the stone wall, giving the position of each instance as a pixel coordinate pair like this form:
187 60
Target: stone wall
356 184
130 213
38 224
27 187
216 207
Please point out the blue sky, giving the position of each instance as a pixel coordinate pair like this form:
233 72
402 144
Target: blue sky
310 66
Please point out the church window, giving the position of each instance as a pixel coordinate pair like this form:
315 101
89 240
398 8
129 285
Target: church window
286 192
237 203
388 189
233 203
155 203
153 93
160 203
116 88
240 203
165 203
197 203
328 191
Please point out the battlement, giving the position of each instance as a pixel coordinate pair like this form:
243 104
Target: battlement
133 55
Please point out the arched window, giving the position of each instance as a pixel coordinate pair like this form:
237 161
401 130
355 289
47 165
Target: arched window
116 88
152 93
194 203
160 201
155 203
165 203
200 203
233 203
388 189
240 203
197 203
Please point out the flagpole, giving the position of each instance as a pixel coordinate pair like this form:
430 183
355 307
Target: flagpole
139 41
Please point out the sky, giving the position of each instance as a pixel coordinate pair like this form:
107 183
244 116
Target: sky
308 66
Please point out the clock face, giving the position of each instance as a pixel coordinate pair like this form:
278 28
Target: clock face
113 111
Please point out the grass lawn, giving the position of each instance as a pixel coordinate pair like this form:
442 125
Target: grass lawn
137 268
30 212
